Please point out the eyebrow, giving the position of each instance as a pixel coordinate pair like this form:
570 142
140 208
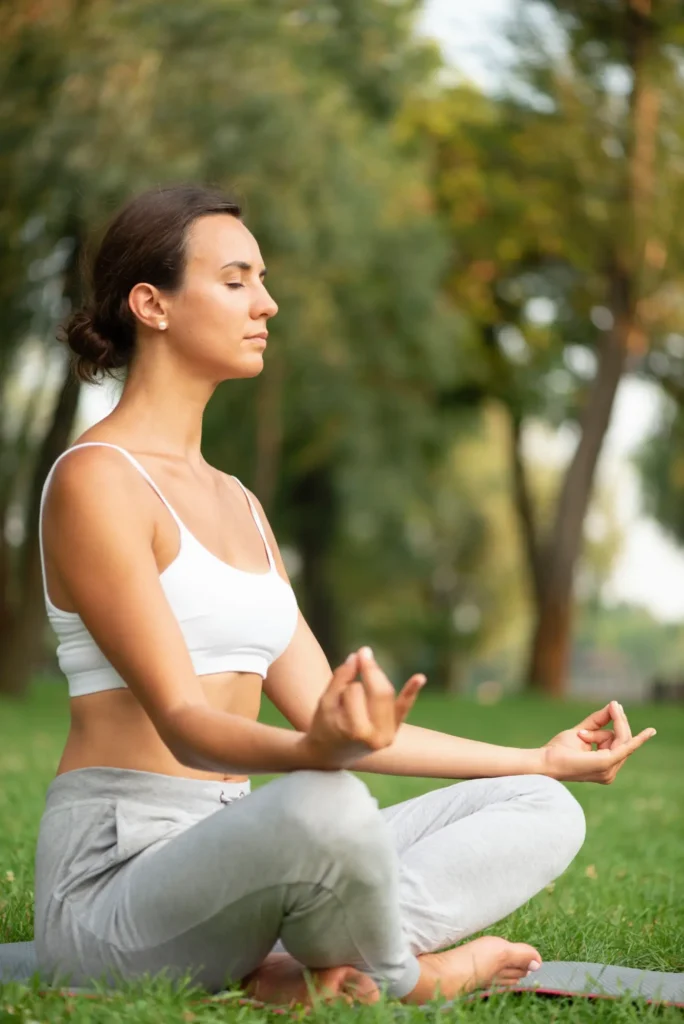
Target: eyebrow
243 266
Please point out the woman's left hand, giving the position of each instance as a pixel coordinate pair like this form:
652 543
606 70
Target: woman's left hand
589 731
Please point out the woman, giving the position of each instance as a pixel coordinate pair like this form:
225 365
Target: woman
167 591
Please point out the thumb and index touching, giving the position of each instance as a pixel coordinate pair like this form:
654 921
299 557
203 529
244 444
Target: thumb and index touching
614 745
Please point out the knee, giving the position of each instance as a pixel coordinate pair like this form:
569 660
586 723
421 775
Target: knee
327 803
565 819
332 811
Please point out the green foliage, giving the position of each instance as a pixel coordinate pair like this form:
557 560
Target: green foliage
534 188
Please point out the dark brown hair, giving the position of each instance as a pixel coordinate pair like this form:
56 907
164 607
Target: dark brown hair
145 241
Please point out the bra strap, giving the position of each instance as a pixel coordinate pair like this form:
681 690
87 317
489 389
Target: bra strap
257 520
89 444
133 461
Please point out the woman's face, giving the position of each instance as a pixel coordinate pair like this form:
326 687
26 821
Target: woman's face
223 305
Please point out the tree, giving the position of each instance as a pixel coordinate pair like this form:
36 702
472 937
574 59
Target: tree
557 191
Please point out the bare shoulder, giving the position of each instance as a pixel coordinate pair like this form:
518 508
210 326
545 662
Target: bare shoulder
78 461
92 510
88 481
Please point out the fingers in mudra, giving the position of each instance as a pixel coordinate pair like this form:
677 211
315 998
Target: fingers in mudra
612 760
603 738
592 730
605 750
372 706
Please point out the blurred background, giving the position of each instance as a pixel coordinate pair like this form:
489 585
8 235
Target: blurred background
469 432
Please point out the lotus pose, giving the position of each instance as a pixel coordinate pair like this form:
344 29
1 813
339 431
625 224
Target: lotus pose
169 597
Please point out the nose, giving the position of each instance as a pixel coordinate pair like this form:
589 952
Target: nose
264 304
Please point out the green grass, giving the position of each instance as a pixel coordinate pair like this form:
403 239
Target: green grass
620 902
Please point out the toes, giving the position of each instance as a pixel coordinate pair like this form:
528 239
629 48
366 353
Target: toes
360 987
509 976
516 963
346 983
523 955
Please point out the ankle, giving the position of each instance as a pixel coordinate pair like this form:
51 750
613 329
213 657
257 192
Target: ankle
426 987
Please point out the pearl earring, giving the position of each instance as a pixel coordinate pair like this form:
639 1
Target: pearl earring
162 325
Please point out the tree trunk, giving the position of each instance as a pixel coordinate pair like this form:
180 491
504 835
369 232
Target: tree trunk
20 650
553 562
23 619
13 458
550 655
314 516
550 649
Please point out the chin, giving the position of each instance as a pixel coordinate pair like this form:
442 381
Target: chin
244 372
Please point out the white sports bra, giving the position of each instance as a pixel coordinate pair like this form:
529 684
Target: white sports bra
231 619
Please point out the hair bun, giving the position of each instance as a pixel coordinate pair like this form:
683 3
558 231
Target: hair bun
94 352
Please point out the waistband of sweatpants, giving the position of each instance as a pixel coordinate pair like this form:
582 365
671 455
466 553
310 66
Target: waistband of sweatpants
105 783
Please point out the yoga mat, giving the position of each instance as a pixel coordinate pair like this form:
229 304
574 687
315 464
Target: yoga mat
554 978
565 977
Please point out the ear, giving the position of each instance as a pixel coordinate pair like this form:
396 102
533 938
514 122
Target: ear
147 305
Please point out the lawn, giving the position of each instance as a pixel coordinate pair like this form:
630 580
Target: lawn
620 902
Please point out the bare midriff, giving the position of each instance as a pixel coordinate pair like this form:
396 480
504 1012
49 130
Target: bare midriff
111 729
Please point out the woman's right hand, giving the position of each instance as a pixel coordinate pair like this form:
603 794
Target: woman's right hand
354 718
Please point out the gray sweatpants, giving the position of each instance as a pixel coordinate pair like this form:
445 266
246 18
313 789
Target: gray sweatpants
138 872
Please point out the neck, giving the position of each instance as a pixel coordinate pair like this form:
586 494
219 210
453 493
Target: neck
164 407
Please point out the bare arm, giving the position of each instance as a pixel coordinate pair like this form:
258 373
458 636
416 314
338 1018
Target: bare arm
426 752
101 545
438 755
296 680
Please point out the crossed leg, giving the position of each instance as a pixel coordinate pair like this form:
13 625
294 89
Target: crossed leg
473 852
470 854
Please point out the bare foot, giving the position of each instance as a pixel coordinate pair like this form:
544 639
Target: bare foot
280 979
484 962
